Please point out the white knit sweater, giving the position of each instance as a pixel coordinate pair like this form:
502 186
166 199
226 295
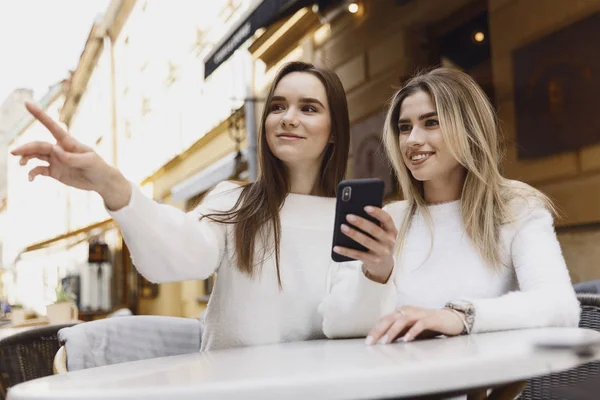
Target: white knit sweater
167 244
532 289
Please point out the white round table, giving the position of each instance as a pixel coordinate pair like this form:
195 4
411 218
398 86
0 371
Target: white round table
335 369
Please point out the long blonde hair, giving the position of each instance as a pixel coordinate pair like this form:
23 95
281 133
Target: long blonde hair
470 129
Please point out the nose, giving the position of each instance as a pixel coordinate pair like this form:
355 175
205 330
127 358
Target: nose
416 137
289 118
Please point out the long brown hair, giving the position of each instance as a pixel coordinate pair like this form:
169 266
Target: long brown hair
257 208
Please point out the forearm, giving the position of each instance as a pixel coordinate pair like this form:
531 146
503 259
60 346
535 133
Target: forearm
165 243
115 190
549 306
355 303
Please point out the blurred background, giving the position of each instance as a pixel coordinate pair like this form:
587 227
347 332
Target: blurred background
170 92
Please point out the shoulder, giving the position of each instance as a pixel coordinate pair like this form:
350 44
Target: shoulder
397 210
222 197
525 205
396 207
226 188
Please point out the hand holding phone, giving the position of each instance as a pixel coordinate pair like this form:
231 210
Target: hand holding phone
362 230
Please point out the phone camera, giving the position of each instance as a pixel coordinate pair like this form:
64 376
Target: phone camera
346 193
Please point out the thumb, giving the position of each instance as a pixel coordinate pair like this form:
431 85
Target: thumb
77 160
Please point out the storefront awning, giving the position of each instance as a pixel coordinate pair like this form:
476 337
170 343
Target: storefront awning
102 226
221 170
264 13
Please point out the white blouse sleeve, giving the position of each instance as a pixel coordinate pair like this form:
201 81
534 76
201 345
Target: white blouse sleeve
167 244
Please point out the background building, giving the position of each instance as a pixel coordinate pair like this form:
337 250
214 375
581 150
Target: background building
171 95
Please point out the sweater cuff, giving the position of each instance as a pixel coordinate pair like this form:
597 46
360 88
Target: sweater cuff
128 212
482 308
384 292
355 303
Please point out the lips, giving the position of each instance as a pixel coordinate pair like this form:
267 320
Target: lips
419 157
289 136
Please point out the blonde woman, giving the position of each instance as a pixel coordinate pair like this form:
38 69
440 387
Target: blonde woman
474 251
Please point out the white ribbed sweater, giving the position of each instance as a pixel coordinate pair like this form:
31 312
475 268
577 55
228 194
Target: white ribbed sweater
167 245
533 289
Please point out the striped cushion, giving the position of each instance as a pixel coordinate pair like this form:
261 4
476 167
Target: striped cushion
116 340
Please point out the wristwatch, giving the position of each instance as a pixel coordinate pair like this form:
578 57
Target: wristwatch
467 309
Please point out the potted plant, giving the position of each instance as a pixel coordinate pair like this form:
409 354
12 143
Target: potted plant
64 309
17 313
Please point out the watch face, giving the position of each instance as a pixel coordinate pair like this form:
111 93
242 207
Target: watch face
462 305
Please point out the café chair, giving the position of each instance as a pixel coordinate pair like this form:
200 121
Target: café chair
128 338
555 386
28 355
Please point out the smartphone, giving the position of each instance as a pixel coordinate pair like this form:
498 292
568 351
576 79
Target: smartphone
353 195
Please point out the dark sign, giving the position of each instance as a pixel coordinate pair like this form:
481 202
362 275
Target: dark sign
266 13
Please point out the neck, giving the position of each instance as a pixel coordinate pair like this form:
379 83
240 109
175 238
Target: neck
446 189
303 178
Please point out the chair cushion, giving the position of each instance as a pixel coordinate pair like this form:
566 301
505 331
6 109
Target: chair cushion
587 287
130 338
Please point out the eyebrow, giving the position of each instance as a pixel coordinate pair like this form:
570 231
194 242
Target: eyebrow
421 117
302 100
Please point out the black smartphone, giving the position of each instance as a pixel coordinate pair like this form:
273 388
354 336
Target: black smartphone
353 195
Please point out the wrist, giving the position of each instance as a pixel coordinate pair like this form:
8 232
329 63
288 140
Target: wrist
466 311
377 277
464 327
115 191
